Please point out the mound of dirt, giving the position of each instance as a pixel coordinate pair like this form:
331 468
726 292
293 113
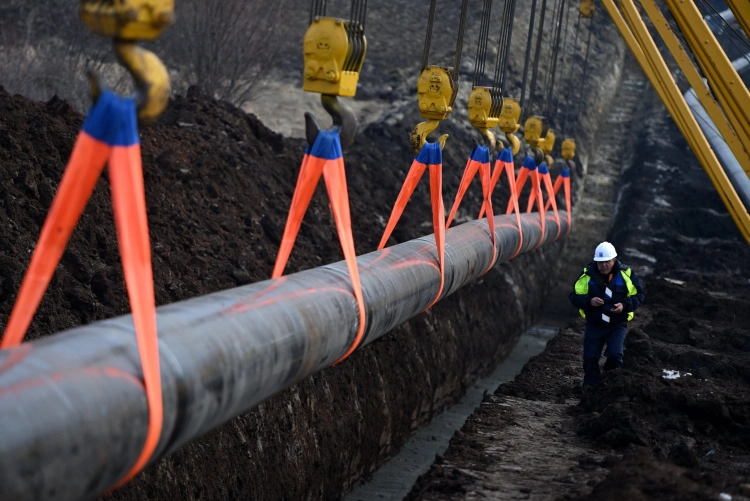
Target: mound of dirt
685 388
640 477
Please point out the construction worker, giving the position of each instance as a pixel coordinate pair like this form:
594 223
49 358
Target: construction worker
606 295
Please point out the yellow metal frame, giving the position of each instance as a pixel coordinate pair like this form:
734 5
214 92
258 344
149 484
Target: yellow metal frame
739 145
741 11
644 49
722 77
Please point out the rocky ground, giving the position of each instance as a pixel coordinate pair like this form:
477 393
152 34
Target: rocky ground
674 423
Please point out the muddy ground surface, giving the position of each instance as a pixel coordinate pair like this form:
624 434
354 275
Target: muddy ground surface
639 434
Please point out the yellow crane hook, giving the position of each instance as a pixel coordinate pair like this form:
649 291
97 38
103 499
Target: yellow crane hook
128 22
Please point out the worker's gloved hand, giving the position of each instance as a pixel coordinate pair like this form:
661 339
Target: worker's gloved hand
597 301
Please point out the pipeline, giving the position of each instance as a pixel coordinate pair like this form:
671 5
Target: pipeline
734 171
72 405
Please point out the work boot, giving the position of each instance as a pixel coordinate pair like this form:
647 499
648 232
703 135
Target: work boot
612 363
591 372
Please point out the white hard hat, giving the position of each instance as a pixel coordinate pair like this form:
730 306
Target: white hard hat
604 252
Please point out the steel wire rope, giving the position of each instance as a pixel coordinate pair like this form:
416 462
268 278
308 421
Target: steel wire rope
585 64
318 8
428 36
569 86
529 40
547 102
708 6
482 44
565 46
537 52
503 55
508 41
460 41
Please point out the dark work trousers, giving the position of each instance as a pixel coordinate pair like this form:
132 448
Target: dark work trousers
593 342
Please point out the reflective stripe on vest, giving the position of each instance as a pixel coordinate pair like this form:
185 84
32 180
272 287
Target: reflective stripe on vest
582 288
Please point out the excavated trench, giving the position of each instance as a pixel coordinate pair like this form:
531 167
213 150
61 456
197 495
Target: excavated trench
673 423
218 185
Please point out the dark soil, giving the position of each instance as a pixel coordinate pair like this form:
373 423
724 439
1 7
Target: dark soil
218 186
638 435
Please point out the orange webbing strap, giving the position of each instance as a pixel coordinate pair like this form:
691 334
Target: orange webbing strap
523 174
334 175
109 132
129 200
431 155
566 182
410 184
487 192
470 171
438 222
324 158
479 161
544 173
510 173
563 179
83 170
537 188
303 192
555 190
505 162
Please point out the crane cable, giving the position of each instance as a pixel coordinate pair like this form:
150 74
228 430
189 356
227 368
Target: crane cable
459 41
585 64
503 54
569 86
548 100
527 58
536 58
482 44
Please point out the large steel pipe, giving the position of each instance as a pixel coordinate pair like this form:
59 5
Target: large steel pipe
736 174
72 405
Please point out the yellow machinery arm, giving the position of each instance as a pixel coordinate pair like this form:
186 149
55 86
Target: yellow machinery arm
722 77
644 49
739 145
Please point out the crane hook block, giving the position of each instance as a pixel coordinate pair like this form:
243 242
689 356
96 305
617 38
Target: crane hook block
532 131
548 143
568 149
334 51
510 115
587 8
127 19
436 92
480 109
